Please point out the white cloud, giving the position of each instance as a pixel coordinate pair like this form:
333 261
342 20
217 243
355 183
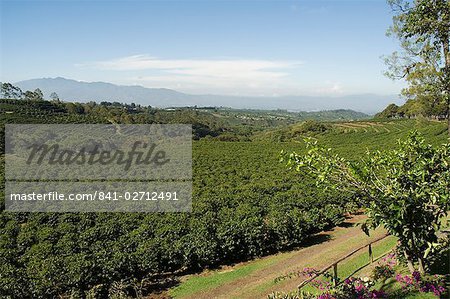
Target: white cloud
146 62
329 88
227 76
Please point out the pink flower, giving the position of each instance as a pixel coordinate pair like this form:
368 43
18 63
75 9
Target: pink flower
326 296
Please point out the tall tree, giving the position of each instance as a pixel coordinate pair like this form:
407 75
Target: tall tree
406 190
9 91
54 96
38 94
422 27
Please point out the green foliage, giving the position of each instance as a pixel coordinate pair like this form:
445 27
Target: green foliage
291 295
406 190
297 131
422 29
9 91
35 95
382 272
391 111
54 97
312 126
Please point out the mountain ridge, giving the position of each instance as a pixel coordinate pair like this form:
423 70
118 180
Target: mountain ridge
73 90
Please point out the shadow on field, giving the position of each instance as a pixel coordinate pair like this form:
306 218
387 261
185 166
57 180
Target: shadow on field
346 224
310 241
315 239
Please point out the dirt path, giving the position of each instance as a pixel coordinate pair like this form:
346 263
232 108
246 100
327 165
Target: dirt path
329 246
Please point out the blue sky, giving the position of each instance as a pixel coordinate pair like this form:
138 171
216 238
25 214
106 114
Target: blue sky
220 47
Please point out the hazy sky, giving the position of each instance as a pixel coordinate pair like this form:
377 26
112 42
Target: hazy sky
220 47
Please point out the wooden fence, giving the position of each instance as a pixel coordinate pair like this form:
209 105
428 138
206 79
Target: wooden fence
334 265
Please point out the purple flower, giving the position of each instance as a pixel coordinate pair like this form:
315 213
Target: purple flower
416 276
377 294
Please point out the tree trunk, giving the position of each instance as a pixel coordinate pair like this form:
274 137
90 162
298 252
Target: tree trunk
447 95
409 262
421 267
446 48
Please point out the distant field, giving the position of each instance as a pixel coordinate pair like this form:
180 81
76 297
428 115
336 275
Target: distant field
393 127
380 134
373 134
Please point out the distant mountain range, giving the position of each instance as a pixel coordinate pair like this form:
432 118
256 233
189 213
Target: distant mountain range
71 90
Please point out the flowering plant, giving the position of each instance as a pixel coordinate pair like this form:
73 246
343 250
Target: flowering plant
415 282
362 288
385 269
358 288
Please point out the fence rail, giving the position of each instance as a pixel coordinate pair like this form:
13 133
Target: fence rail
334 265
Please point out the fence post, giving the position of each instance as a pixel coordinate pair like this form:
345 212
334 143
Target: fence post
335 274
370 253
